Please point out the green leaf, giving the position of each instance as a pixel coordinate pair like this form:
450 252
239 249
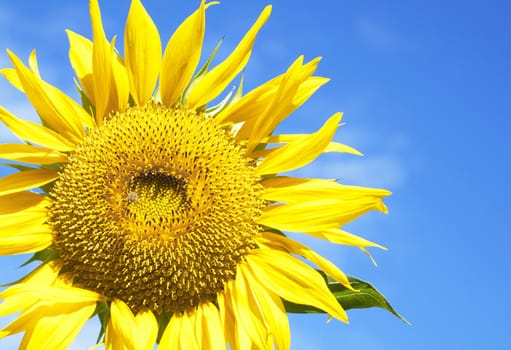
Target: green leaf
367 296
45 256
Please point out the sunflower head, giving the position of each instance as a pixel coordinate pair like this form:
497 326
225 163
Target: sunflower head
156 208
160 213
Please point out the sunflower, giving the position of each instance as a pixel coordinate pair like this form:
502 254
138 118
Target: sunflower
161 213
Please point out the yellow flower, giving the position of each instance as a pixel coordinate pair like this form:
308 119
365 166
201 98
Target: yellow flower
159 213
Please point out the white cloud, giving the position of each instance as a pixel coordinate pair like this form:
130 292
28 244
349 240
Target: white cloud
383 170
381 36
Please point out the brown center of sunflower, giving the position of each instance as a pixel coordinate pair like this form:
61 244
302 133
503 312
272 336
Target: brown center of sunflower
156 208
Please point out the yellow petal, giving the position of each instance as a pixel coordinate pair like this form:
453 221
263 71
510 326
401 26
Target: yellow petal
12 77
20 201
272 309
341 148
35 133
120 83
57 332
254 104
285 100
339 236
80 56
182 56
227 320
286 138
293 280
30 221
102 59
142 52
179 333
25 242
135 332
209 327
45 274
215 81
53 296
237 337
187 337
170 337
291 190
25 180
31 154
251 105
52 105
32 63
275 240
248 318
315 216
300 152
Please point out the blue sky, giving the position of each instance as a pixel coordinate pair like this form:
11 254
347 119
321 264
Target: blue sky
425 87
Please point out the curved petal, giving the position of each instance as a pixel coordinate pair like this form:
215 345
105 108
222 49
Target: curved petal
142 52
80 56
35 133
102 60
57 331
272 310
293 280
26 242
300 152
273 240
339 236
182 56
28 222
227 321
25 180
45 274
12 77
179 333
31 154
291 190
22 202
53 106
135 332
120 83
254 104
215 81
318 215
208 327
294 89
53 296
247 317
170 337
287 138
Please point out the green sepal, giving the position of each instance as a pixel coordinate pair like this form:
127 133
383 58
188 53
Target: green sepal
202 71
86 103
18 166
103 312
45 255
367 296
163 320
214 110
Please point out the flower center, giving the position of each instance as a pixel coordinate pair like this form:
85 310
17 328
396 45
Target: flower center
154 198
156 208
